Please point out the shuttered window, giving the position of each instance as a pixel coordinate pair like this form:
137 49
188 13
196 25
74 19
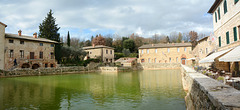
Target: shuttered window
219 41
235 33
225 6
219 16
227 37
235 1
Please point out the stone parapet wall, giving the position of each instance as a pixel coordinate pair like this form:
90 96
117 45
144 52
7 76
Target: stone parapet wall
153 66
204 93
114 69
43 71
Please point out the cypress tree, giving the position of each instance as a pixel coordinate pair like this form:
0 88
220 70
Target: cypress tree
49 29
68 39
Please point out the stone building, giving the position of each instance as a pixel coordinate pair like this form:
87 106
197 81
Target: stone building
20 51
204 47
226 23
166 53
105 53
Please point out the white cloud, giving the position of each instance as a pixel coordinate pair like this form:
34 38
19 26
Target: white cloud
122 16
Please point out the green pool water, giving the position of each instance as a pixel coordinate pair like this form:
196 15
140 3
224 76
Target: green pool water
140 90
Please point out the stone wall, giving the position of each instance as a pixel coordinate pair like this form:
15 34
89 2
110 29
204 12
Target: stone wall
43 71
204 93
114 69
2 46
153 66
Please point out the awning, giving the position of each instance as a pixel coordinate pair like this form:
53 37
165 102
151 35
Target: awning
211 57
232 56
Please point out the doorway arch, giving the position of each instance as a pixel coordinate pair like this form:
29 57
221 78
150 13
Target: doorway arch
35 66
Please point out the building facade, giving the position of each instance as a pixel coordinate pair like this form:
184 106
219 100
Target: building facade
204 47
226 23
105 53
20 51
166 53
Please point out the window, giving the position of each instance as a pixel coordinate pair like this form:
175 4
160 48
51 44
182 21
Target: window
235 33
52 45
168 50
227 37
235 1
155 50
177 59
21 42
142 51
170 60
52 55
21 53
155 60
147 51
149 61
11 41
185 49
41 55
106 60
110 51
106 51
11 54
31 55
177 49
216 17
41 44
52 65
219 41
219 16
225 6
206 50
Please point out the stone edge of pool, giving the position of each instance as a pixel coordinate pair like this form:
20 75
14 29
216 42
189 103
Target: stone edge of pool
204 93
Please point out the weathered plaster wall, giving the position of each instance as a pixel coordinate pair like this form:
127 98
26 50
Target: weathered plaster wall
155 66
205 93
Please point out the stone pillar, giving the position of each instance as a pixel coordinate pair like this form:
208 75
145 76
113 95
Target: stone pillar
2 45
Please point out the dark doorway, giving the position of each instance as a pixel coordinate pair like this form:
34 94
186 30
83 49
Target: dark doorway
183 61
35 66
25 65
31 55
46 65
52 65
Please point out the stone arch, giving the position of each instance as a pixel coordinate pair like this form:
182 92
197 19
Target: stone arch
35 66
25 65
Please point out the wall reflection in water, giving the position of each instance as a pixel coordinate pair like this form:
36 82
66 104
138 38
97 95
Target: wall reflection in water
160 89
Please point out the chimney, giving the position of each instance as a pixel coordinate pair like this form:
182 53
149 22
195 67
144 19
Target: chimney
19 33
93 45
35 35
182 41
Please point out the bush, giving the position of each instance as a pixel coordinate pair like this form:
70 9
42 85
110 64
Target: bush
118 55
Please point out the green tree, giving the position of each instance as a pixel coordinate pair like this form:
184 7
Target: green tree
87 43
68 39
129 44
126 52
109 41
180 37
49 29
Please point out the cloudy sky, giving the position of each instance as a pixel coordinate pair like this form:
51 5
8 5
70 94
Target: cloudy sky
84 18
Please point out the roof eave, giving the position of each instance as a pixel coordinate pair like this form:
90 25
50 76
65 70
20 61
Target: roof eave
214 6
3 24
